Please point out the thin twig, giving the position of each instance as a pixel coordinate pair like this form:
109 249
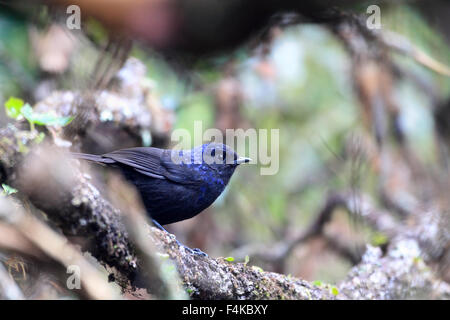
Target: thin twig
57 247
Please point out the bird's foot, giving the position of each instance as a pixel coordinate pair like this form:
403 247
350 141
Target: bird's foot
196 251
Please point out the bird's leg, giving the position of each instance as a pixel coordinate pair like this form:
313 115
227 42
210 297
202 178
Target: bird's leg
193 251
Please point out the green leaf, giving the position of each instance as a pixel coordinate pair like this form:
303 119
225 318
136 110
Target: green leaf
13 107
44 119
8 190
40 137
379 239
48 119
317 283
416 260
256 268
247 259
229 259
27 111
334 291
163 255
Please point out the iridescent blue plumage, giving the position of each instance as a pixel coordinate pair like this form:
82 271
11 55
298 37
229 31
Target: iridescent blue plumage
175 185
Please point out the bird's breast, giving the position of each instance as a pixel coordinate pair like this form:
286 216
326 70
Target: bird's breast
169 202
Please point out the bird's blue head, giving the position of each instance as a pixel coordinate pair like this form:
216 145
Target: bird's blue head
218 159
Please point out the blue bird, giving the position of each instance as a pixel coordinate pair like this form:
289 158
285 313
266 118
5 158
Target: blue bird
174 184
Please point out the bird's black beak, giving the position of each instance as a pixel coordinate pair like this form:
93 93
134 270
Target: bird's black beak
242 160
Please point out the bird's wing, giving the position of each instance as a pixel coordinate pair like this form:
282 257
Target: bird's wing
155 163
144 160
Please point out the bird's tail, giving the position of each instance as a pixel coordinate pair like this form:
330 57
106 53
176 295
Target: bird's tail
92 157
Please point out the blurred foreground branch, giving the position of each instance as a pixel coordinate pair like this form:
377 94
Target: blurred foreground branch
56 248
